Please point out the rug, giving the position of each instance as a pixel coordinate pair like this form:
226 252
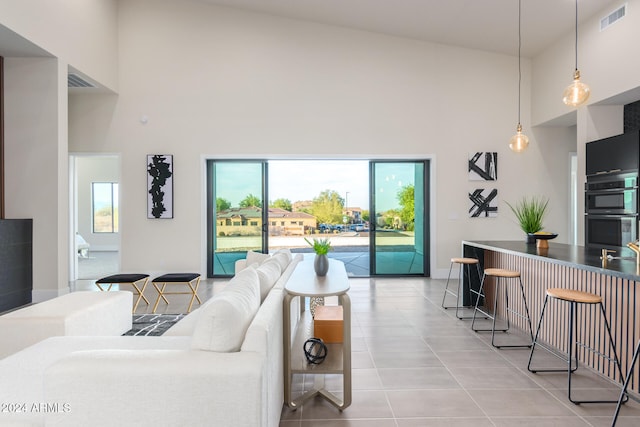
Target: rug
152 324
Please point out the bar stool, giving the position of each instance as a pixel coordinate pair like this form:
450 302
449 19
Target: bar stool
573 297
501 275
623 395
468 262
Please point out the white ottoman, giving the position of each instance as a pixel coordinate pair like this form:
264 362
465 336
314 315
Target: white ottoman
78 313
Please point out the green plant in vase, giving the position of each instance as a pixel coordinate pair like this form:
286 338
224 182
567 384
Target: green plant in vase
321 266
320 246
530 213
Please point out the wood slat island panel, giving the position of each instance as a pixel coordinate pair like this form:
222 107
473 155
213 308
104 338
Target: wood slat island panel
572 267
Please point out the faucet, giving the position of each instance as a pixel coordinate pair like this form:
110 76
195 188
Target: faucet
605 256
635 248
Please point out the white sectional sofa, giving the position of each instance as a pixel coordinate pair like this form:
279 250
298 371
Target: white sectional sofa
219 366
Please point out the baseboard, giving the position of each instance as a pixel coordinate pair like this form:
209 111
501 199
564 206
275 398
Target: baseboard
442 273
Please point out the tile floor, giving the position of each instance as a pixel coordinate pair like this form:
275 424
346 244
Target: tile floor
415 364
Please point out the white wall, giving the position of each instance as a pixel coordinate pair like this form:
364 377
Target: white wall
607 61
82 33
217 82
36 178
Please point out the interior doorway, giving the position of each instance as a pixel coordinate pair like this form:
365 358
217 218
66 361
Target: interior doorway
95 220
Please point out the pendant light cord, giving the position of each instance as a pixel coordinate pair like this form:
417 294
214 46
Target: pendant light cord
519 51
576 38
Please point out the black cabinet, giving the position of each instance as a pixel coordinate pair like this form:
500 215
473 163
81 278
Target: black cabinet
620 153
16 276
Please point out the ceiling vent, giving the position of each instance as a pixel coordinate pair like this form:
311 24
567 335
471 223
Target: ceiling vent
74 80
614 16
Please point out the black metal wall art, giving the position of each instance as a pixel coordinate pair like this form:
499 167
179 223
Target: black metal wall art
159 186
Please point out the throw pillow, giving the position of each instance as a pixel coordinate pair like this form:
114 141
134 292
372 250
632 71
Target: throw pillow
224 320
253 257
268 273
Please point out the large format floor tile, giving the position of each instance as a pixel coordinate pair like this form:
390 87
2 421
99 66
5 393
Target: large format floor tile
417 365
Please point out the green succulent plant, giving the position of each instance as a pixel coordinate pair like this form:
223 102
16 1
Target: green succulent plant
320 246
530 212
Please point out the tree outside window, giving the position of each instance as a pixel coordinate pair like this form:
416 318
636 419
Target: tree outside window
104 197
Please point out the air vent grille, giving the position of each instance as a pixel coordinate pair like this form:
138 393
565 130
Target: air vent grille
74 80
614 16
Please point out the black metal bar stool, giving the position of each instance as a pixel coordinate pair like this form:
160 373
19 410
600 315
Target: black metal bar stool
623 394
573 297
462 262
501 275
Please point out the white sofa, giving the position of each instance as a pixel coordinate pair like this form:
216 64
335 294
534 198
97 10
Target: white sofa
78 313
221 365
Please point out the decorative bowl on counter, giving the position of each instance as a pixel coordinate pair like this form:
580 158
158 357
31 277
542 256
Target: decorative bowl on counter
542 238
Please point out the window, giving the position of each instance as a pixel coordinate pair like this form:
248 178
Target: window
104 197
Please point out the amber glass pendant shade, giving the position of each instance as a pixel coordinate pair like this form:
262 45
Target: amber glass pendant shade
577 93
519 142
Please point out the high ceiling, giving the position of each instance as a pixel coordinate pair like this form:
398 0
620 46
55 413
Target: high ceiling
490 25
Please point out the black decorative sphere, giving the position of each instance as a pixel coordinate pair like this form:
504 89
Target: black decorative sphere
315 350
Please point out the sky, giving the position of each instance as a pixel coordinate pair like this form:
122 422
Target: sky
299 180
306 179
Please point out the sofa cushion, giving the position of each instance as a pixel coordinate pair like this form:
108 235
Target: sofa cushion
256 257
268 273
285 251
224 319
282 259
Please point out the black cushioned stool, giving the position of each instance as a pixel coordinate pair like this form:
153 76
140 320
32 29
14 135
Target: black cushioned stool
574 297
623 394
462 262
501 275
127 279
161 282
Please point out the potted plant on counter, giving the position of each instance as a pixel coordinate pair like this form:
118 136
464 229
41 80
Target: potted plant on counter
321 247
530 213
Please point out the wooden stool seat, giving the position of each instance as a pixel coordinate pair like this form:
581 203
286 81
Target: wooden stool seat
573 295
501 272
464 261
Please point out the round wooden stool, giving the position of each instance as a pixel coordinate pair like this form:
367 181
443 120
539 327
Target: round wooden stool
462 262
501 276
573 297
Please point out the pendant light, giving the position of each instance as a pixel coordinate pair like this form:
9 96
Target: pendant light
519 142
577 93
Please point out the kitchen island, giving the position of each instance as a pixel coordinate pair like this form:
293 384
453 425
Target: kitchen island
572 267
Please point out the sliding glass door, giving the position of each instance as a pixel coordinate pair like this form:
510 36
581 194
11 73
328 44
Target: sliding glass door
399 203
237 218
380 227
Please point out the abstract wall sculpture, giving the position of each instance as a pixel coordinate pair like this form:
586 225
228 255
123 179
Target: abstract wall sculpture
159 186
483 203
483 166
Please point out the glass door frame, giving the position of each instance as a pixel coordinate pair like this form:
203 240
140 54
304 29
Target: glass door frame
426 212
211 209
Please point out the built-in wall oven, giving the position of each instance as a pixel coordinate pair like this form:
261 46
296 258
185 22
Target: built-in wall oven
611 208
616 194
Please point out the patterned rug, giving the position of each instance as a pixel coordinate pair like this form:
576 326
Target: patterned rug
152 324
